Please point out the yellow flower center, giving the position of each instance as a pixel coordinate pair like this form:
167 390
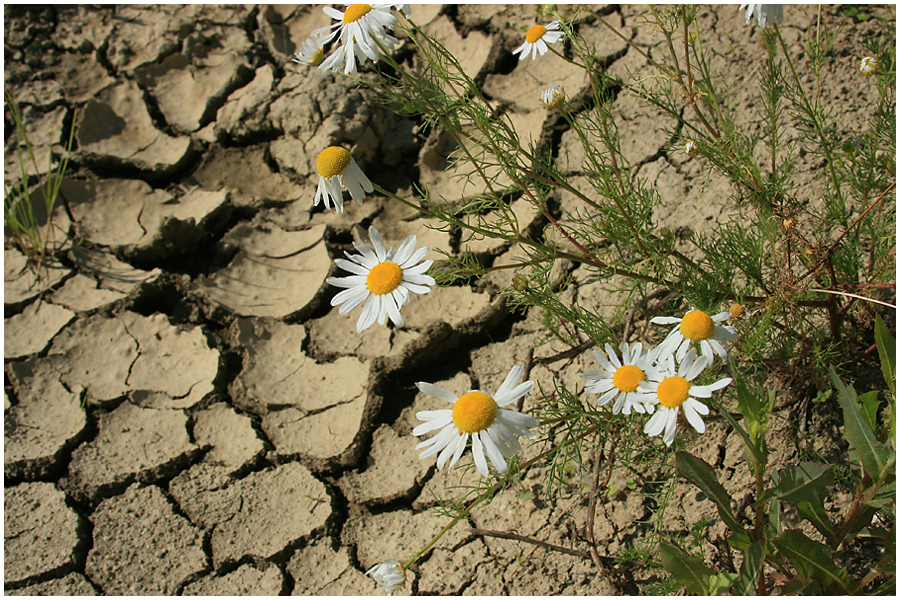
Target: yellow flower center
535 33
384 278
697 325
474 411
627 377
316 60
673 391
332 161
355 12
736 311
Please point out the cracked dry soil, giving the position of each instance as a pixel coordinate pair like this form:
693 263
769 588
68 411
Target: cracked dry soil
184 411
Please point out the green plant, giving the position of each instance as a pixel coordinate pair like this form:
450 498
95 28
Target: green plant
30 222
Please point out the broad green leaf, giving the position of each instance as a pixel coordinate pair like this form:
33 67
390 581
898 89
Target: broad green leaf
720 583
739 541
812 560
864 519
868 406
806 481
704 477
688 570
887 351
874 456
745 585
815 513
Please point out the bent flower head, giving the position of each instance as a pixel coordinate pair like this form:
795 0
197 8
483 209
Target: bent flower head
390 574
671 392
382 279
537 38
338 172
553 97
763 13
493 428
359 27
868 65
312 52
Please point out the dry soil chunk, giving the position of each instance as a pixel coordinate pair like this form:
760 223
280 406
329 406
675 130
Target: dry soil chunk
113 356
320 571
269 280
245 581
382 481
30 331
44 422
73 584
21 283
115 129
231 436
40 533
141 546
133 443
276 508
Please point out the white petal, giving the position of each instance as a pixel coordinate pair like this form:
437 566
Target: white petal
436 391
693 418
657 422
478 453
607 396
665 320
512 378
671 426
514 395
493 452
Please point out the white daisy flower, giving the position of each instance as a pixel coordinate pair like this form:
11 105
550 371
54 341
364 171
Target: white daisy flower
537 38
382 279
763 13
475 413
311 52
358 28
868 65
672 391
337 172
553 96
619 380
390 574
690 148
696 326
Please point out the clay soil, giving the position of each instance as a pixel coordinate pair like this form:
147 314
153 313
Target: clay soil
185 413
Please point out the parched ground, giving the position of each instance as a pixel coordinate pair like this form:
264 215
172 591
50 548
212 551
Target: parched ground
185 413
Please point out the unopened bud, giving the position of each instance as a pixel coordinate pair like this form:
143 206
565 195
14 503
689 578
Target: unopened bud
737 311
520 283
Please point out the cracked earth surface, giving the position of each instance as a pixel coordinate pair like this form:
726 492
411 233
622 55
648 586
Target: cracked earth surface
184 411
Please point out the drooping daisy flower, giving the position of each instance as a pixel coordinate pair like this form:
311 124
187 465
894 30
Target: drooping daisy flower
390 574
311 52
868 65
358 28
337 172
382 279
553 96
690 148
763 13
696 326
619 380
672 391
537 38
493 429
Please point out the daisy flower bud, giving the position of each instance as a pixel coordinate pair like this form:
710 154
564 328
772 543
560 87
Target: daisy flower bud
868 65
382 279
671 392
553 96
337 172
537 38
493 429
390 574
690 148
736 312
763 13
312 52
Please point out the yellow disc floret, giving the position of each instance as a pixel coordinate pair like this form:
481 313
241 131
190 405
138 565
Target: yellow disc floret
355 12
384 278
697 325
627 378
673 391
736 311
535 33
474 411
332 161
